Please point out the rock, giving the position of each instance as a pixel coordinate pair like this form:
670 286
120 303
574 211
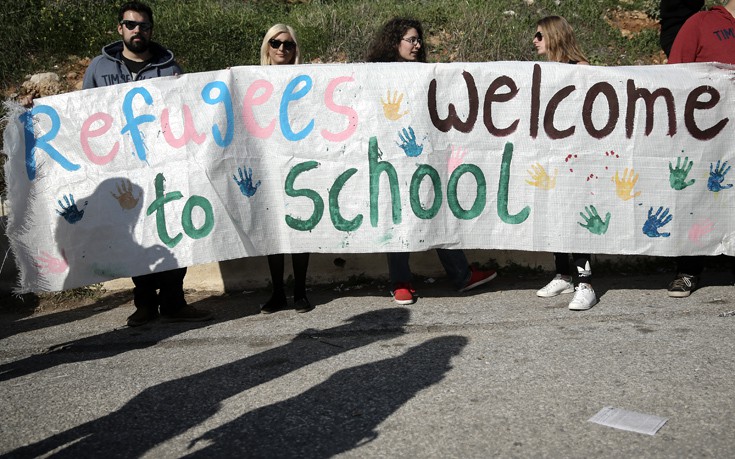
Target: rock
44 78
42 84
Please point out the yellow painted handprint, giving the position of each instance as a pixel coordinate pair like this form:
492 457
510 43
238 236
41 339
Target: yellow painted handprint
392 107
540 178
624 187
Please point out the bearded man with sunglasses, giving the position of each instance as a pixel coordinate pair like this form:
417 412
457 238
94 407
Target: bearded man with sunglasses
136 58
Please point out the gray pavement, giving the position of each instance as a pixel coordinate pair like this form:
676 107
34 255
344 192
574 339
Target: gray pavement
492 373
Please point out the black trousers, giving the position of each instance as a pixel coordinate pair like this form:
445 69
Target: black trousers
561 260
276 265
694 265
164 289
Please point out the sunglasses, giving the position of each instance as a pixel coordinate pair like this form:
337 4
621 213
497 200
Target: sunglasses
287 45
539 36
131 25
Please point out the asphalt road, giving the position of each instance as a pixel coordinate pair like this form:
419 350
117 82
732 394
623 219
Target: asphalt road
493 373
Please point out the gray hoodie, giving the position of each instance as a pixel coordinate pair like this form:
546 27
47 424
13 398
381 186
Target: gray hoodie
108 68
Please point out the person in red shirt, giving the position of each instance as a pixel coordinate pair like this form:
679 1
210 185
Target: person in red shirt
708 36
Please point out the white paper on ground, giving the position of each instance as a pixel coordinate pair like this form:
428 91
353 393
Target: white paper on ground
629 420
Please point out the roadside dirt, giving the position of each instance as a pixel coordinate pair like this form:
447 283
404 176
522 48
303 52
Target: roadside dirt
631 23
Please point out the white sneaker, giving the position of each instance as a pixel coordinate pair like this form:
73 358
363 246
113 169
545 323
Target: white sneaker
584 298
557 285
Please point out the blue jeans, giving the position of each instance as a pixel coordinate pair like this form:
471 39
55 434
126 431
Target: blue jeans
454 262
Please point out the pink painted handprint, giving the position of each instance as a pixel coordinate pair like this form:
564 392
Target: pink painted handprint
456 159
48 264
700 229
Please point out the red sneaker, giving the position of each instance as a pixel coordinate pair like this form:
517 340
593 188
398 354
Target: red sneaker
478 278
403 293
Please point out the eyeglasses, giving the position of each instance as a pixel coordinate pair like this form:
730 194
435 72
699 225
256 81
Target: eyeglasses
287 45
538 36
131 25
413 40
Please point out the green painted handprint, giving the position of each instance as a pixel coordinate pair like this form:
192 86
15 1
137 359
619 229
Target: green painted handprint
678 174
593 222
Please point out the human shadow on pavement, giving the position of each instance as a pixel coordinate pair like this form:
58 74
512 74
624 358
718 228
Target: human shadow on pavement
337 415
25 320
161 412
100 346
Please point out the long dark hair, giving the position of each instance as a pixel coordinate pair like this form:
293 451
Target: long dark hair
384 47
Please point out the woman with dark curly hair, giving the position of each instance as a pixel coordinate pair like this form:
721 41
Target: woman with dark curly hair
402 40
399 40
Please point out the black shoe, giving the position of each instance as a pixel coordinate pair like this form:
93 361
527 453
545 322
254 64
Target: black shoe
303 305
186 314
274 304
683 285
142 316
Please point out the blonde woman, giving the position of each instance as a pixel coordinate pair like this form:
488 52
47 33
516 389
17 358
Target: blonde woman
281 47
555 39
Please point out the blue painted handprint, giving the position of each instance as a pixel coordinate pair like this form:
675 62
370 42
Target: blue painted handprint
656 221
409 145
246 182
717 176
70 212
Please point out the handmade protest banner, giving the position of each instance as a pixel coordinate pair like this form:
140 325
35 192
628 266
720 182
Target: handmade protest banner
147 176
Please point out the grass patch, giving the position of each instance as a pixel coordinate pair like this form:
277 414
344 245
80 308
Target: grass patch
215 34
74 295
632 265
512 269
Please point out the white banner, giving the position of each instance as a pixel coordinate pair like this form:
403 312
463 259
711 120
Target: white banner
140 177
